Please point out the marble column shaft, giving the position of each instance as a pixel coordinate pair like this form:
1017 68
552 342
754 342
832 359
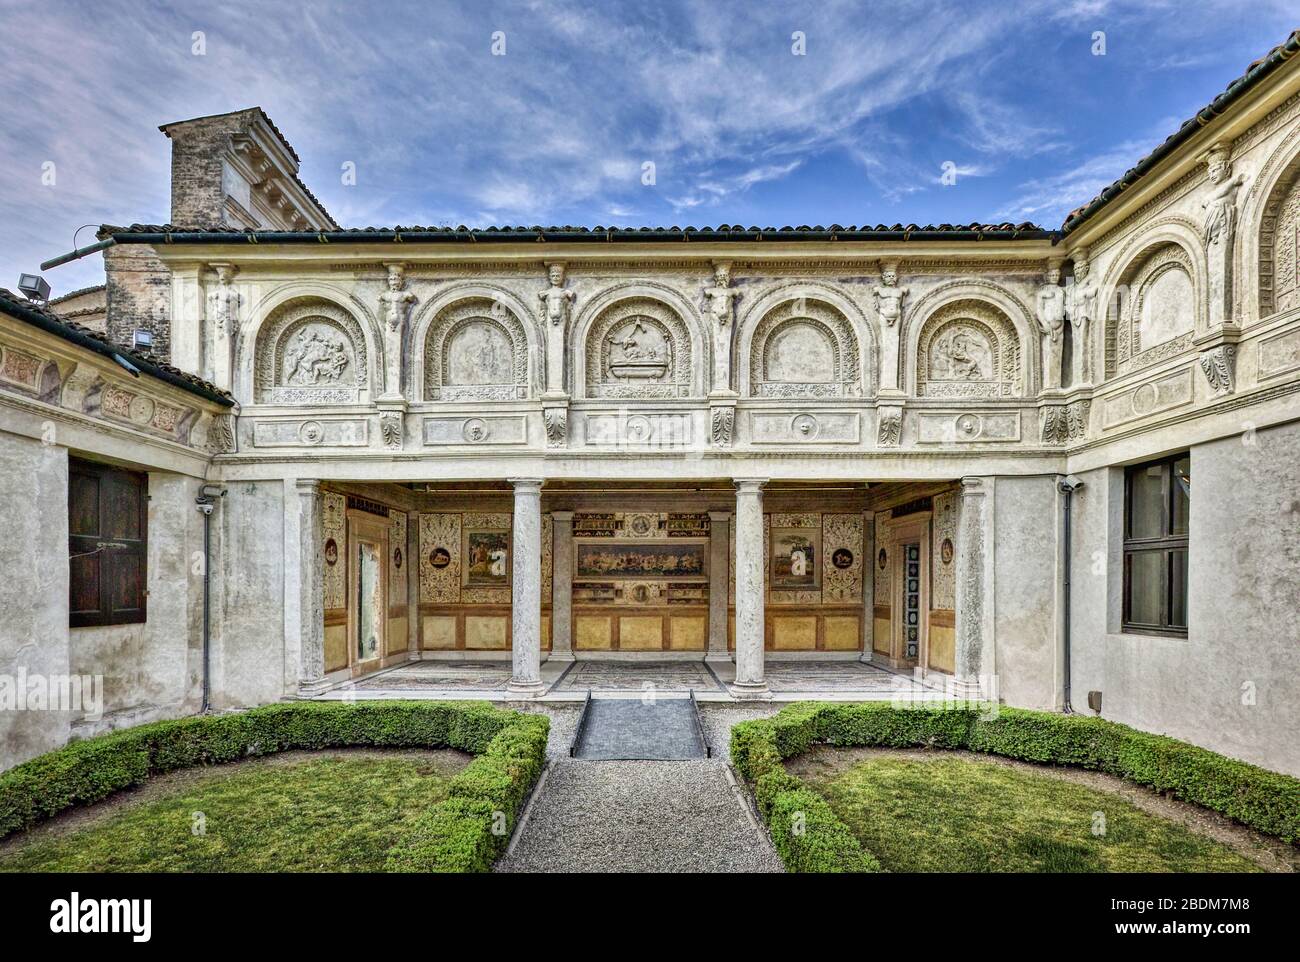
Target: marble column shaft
719 576
562 585
749 587
526 607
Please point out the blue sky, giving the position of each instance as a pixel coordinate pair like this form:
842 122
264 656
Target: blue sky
739 128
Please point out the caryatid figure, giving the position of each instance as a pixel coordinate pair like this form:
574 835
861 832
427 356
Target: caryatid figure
1083 310
225 301
556 301
396 306
1220 229
889 305
721 298
1051 320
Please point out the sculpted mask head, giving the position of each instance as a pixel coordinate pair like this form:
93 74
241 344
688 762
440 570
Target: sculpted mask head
395 277
889 274
1053 275
1217 163
556 273
1081 266
722 274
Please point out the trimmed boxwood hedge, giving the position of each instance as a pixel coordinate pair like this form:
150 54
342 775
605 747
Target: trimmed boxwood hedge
810 838
464 833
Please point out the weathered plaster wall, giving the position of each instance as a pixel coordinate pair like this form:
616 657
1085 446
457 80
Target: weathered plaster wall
1026 586
34 588
248 641
1229 685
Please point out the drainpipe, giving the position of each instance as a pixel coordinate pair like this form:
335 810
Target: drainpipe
206 501
1067 485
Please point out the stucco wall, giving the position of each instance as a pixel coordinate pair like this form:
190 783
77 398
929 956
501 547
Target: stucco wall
34 588
1027 578
1229 685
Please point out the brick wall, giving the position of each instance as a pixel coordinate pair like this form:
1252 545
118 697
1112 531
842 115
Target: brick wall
139 296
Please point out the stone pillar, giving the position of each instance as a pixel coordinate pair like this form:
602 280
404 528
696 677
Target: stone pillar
561 586
719 575
414 623
749 681
975 669
304 575
868 584
526 603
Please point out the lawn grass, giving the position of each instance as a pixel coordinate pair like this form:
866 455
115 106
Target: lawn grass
958 815
288 814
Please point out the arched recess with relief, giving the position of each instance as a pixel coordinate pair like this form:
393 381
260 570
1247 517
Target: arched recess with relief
802 342
638 346
1153 305
969 339
1272 250
474 348
311 350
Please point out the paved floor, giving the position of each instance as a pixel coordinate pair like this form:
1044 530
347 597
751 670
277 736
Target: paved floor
658 729
570 681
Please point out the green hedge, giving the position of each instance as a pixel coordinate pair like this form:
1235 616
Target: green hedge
484 796
1261 799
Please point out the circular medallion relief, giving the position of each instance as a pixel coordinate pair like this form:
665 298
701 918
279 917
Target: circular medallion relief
968 426
641 524
475 430
140 410
1144 398
842 558
804 427
331 552
311 432
439 558
945 551
638 428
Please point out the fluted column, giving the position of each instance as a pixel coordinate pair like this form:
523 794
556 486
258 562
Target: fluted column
526 602
561 585
748 540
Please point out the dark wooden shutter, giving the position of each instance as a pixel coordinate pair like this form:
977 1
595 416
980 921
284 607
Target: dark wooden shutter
107 539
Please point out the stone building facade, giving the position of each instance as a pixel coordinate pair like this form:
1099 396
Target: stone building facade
961 451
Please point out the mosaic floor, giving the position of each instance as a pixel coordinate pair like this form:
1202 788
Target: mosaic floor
836 676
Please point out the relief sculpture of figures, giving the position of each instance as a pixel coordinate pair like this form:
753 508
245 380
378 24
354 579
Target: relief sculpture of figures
720 302
1220 227
225 301
314 357
396 305
1083 308
1051 319
889 305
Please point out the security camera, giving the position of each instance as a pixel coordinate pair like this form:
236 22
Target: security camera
1070 483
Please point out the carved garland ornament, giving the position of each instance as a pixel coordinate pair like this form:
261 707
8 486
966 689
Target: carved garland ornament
492 321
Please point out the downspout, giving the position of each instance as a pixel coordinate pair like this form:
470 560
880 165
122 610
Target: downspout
206 501
1067 485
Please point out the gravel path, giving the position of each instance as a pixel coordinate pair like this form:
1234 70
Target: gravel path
640 816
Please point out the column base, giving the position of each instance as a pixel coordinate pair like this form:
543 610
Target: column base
719 657
750 692
525 689
310 689
560 656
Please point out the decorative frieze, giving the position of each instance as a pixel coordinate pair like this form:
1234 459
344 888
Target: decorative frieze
1066 423
968 426
311 433
1154 397
504 429
1219 365
822 427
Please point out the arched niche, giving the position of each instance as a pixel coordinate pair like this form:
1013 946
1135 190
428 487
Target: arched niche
968 348
310 351
638 347
475 349
1151 312
1279 241
804 348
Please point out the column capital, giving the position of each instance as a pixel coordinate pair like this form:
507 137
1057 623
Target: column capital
750 485
973 486
721 517
307 487
527 485
562 516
